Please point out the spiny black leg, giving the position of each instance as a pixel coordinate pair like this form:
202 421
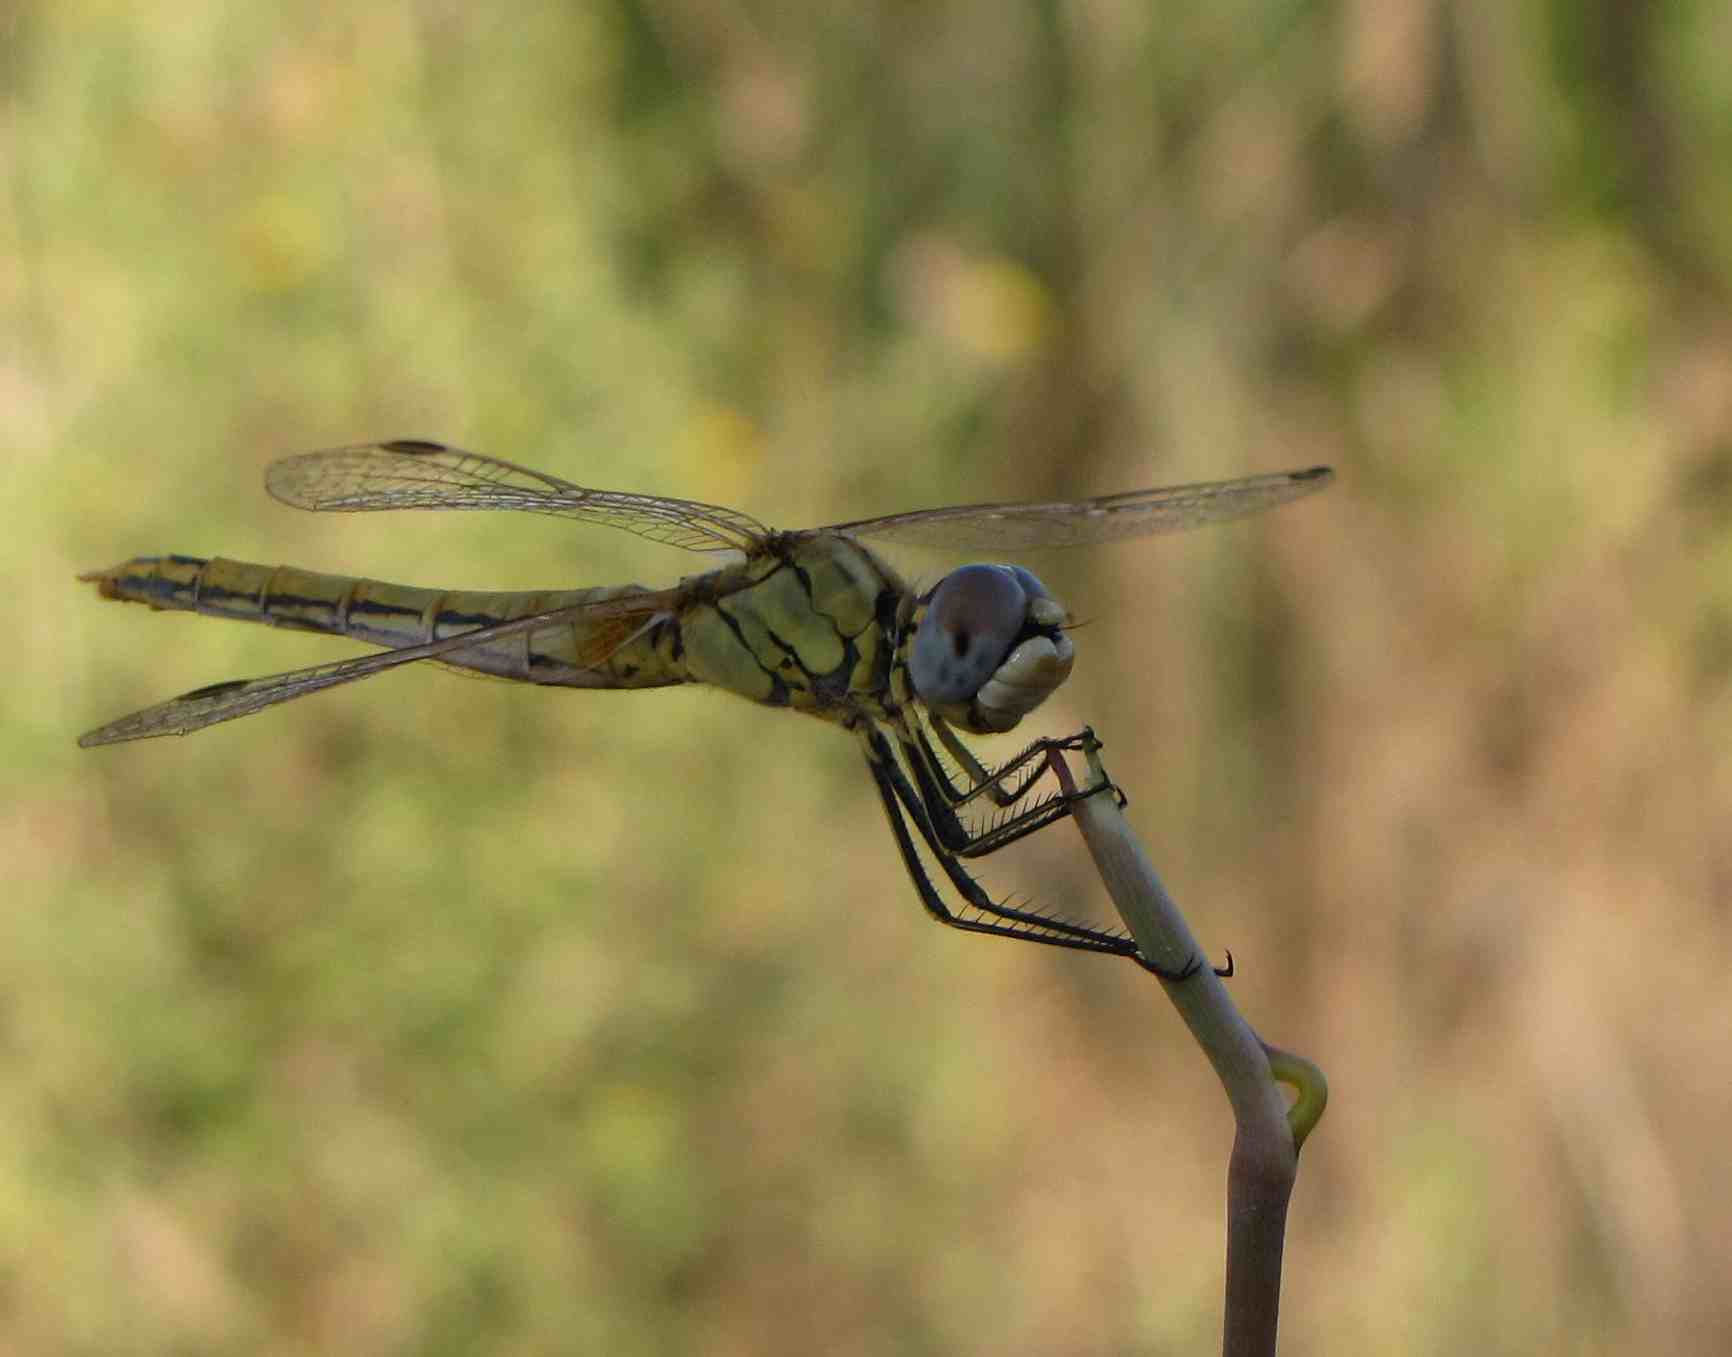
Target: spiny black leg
966 842
1006 830
943 798
1006 920
941 802
982 781
929 897
1190 968
1104 785
942 820
1041 752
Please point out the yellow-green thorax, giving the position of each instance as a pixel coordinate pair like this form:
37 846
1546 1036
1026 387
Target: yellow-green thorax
807 625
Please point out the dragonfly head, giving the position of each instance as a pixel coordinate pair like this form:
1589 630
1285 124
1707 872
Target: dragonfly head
989 648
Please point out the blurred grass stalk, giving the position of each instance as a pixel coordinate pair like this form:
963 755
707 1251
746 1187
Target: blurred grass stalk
1268 1135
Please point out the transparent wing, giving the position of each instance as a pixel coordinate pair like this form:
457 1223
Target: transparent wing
1108 518
607 625
409 474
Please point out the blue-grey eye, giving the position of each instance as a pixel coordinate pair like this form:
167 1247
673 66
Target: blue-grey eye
1031 585
973 619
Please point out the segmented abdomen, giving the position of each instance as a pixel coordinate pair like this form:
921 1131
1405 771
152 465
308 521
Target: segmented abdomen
395 615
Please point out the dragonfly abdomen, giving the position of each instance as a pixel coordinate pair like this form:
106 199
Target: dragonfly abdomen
395 615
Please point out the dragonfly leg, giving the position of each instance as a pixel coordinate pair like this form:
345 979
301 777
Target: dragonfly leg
1003 828
902 804
991 783
1055 806
927 809
942 798
1037 759
979 780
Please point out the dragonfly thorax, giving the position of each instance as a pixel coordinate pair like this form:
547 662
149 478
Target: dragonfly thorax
989 647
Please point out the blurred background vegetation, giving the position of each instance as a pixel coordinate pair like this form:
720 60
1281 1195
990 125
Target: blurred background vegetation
452 1017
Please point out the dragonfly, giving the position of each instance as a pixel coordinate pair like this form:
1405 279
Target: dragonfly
816 621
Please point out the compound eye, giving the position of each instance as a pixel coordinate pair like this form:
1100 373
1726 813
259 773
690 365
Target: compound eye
1029 581
974 617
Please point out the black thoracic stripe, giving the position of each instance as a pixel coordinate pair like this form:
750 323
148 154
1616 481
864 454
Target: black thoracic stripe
791 653
778 685
739 636
884 608
835 684
811 597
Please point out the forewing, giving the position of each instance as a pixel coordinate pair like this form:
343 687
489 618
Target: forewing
603 627
409 474
1108 518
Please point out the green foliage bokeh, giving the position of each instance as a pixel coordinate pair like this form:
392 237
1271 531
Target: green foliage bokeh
446 1016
